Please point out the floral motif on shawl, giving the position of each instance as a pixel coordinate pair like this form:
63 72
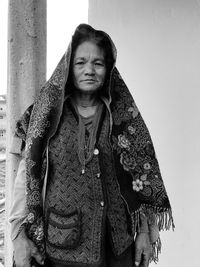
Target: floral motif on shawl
138 167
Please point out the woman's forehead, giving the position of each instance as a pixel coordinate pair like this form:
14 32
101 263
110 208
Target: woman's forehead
89 48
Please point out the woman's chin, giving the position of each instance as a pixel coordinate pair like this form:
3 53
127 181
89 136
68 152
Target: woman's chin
88 89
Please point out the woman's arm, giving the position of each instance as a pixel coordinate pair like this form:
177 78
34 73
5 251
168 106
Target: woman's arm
24 248
18 209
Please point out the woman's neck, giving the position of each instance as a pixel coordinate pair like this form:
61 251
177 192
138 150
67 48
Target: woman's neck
86 103
85 100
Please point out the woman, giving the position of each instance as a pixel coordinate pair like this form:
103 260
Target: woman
94 193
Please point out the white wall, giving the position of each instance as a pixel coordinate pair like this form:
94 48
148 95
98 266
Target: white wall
158 45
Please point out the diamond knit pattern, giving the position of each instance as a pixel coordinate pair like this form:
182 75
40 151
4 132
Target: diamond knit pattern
70 192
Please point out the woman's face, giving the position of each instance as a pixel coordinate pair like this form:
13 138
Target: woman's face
89 67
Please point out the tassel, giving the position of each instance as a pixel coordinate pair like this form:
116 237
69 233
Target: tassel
163 217
156 246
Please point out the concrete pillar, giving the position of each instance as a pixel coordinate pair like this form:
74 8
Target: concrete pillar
26 74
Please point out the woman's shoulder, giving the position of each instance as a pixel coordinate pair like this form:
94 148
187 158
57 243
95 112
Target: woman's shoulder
19 139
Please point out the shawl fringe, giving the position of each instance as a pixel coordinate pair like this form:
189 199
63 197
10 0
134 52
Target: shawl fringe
160 216
156 250
155 215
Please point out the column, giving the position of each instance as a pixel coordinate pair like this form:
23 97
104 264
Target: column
26 74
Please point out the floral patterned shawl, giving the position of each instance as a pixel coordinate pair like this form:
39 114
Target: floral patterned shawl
135 161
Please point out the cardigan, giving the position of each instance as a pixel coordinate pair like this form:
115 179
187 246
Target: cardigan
77 204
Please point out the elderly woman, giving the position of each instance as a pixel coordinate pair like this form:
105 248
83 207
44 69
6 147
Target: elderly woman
88 191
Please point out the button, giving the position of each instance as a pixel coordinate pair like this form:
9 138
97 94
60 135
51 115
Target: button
96 151
102 203
98 175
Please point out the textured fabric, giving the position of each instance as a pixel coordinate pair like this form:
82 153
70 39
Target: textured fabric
87 140
93 194
108 257
133 157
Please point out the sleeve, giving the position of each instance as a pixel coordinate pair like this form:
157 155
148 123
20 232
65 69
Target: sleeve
18 210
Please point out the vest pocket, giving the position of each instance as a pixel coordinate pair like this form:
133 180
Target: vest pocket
63 230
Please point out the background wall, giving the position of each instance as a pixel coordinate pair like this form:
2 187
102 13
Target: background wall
158 44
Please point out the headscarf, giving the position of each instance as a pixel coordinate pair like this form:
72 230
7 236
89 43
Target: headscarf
136 165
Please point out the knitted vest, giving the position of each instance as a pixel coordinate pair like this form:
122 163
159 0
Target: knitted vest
77 204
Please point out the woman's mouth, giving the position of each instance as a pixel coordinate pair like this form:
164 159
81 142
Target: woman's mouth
89 81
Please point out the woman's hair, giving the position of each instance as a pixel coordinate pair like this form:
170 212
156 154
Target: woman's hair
85 33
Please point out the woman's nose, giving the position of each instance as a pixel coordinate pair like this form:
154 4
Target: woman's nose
89 69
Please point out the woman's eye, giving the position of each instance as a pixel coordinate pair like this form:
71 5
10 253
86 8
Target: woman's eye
99 64
79 62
